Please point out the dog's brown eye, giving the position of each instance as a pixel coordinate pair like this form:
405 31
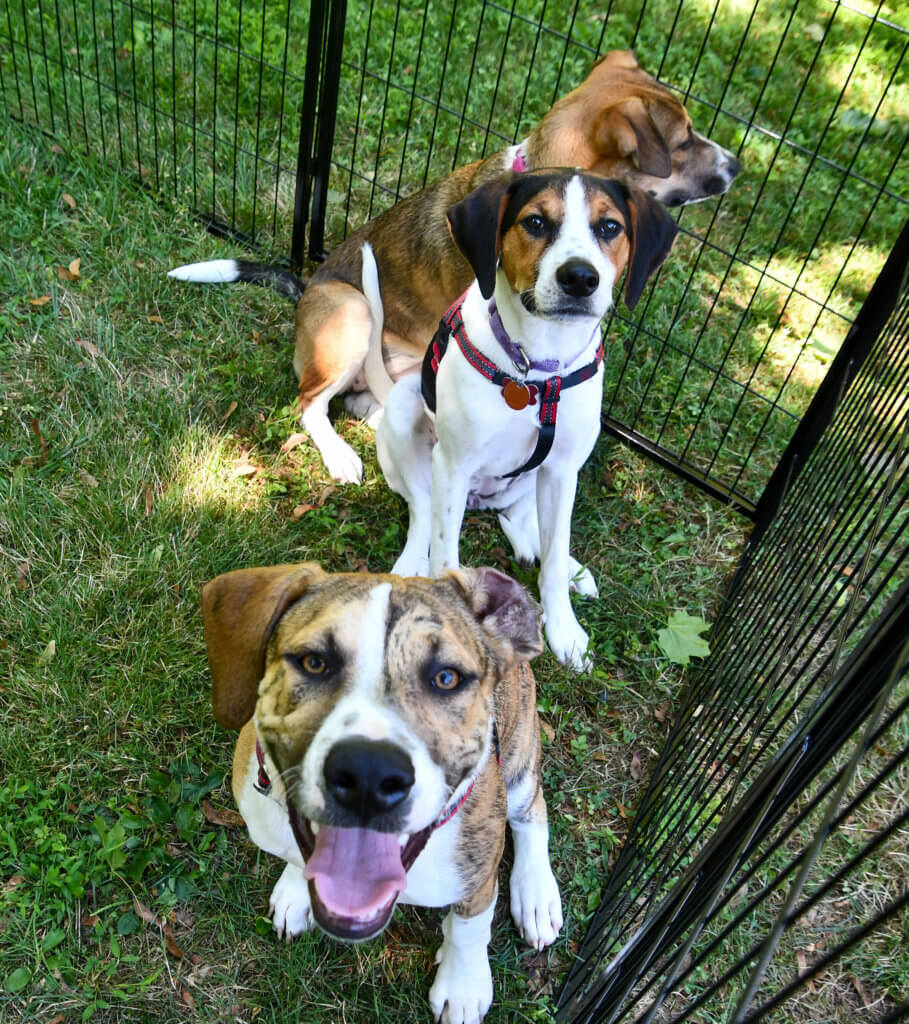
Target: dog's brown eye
607 229
534 224
313 663
446 679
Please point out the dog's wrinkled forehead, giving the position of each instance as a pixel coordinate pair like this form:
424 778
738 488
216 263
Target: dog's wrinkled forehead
549 188
369 634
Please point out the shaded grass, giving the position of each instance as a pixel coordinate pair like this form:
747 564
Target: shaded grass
120 498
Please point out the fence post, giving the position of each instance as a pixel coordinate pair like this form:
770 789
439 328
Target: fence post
321 81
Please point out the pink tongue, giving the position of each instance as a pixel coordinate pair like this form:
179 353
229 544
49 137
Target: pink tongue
356 871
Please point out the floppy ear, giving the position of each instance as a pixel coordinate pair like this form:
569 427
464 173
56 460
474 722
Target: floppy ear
476 223
628 129
503 607
240 610
653 231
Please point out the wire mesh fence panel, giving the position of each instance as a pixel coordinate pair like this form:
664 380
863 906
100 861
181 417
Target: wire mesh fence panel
764 875
200 100
713 369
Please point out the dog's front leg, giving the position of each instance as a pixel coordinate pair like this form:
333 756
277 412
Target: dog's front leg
462 990
450 485
555 503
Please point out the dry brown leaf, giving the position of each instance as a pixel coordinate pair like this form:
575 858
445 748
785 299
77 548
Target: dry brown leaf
172 946
66 275
801 960
149 498
293 441
58 1018
22 570
231 409
325 494
42 300
86 478
36 430
637 772
186 997
154 319
89 920
860 988
245 470
13 882
548 730
74 266
622 809
301 510
88 347
222 816
148 916
68 199
256 337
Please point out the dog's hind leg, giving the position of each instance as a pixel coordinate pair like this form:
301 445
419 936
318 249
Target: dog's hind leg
333 326
404 441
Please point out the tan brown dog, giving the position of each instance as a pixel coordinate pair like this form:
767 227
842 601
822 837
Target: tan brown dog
389 727
620 123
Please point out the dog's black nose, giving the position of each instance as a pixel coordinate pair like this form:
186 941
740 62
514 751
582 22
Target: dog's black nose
367 777
577 278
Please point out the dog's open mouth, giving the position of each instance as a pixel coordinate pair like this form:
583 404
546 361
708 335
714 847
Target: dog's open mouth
355 875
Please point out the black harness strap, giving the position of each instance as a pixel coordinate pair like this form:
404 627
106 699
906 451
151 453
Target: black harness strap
550 390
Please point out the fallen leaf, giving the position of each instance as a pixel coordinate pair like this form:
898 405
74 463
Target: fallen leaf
154 319
88 347
548 730
325 494
222 816
172 946
637 772
22 575
622 809
301 510
149 498
68 199
86 478
74 266
58 1018
801 960
860 988
66 275
13 882
36 430
89 920
293 441
186 997
245 469
659 713
48 654
40 301
681 640
231 409
57 149
148 916
256 337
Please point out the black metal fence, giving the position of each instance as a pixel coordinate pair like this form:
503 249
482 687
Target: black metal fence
741 892
269 119
281 119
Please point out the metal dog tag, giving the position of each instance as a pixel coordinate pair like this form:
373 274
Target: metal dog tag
518 396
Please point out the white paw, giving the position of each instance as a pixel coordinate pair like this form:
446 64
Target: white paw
411 565
568 642
289 906
341 461
462 990
536 905
581 580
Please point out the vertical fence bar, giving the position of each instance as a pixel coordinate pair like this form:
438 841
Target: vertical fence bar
325 126
317 18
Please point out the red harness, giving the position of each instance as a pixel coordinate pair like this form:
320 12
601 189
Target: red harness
518 394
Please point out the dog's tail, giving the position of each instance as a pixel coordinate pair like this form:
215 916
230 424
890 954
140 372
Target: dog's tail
376 374
228 271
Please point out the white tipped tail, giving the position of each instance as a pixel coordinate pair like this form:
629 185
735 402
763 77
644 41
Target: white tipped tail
376 374
211 272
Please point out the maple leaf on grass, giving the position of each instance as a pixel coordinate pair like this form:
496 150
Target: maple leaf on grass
681 641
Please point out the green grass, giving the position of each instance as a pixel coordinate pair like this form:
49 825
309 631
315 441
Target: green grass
120 497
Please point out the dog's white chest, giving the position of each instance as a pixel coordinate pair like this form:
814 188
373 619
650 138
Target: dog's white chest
433 880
